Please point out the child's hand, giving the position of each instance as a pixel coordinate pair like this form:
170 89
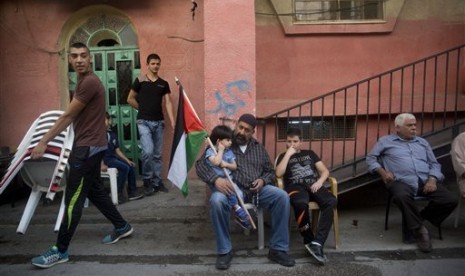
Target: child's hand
291 151
220 147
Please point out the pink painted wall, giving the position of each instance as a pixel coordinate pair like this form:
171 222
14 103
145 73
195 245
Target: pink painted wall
229 60
294 68
30 36
245 63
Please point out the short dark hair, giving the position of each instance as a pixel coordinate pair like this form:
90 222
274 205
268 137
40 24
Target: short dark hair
221 132
152 56
79 45
293 131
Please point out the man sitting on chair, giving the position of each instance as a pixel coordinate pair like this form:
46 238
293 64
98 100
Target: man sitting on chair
408 169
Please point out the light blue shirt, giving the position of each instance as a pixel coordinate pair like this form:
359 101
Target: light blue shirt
408 160
228 156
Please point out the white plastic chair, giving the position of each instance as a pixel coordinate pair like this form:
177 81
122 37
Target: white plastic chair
260 224
45 175
112 175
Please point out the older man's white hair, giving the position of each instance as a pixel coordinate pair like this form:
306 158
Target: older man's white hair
400 119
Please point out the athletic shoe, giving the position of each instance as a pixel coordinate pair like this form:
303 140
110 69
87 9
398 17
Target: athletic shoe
134 196
161 188
242 219
118 234
148 188
317 252
50 258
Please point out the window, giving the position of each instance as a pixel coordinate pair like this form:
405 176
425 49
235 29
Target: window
338 11
326 128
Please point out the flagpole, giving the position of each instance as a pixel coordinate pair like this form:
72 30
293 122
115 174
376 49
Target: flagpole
241 202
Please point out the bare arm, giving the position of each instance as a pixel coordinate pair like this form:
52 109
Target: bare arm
74 108
169 108
132 99
324 174
281 167
123 157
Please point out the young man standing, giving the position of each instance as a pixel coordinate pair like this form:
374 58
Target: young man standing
303 175
147 94
87 113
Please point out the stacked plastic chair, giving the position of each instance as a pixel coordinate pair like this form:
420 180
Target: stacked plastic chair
43 176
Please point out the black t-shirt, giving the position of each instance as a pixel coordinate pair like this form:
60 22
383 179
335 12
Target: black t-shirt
150 97
301 168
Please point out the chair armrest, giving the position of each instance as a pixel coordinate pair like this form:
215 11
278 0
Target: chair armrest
333 185
279 181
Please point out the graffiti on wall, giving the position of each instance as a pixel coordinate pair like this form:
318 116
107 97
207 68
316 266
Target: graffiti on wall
229 102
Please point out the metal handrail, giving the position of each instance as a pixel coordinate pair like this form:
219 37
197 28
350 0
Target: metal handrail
428 88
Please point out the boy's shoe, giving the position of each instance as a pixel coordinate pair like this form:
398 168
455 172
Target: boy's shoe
50 258
118 234
121 198
317 252
242 219
134 196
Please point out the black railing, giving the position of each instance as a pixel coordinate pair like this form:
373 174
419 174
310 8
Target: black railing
341 126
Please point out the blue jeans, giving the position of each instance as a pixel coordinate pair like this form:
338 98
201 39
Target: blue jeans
272 198
151 141
125 171
232 198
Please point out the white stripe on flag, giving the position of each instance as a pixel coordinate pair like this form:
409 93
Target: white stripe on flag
178 170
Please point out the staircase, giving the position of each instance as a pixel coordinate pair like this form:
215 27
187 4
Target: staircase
343 125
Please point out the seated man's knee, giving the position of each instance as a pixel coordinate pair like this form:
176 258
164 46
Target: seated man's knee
218 199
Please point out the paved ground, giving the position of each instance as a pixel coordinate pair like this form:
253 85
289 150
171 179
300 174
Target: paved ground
173 236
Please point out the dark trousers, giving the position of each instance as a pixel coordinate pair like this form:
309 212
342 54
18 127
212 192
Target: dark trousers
441 203
84 181
300 196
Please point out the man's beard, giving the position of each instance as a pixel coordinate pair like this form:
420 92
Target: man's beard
240 139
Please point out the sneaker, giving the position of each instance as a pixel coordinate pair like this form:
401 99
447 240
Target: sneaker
118 234
161 188
317 252
121 198
50 258
223 261
148 189
134 196
242 219
281 258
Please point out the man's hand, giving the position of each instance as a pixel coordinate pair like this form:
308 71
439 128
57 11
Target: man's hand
387 176
39 150
224 186
430 186
257 185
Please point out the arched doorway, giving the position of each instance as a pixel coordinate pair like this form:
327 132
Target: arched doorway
115 59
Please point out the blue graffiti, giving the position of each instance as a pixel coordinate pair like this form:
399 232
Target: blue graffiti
230 108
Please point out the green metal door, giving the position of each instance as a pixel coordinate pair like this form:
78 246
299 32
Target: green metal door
117 69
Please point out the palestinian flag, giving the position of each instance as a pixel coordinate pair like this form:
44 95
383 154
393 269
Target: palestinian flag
189 135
